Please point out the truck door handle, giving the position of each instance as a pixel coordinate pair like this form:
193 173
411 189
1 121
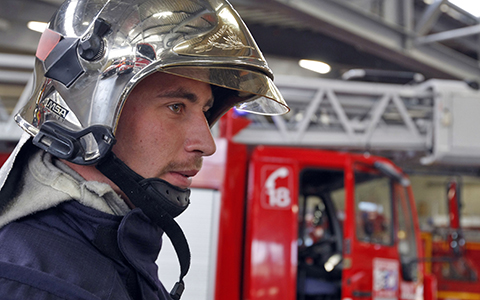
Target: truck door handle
362 294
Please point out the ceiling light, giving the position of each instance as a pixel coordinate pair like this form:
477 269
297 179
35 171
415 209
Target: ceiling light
470 6
315 66
163 14
37 26
4 25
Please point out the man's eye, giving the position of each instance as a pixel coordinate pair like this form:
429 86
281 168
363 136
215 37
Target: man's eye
176 108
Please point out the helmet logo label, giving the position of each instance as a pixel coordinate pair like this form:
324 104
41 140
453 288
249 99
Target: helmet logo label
231 41
56 108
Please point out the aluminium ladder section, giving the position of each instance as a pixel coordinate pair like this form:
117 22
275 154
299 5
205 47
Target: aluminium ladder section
437 119
347 115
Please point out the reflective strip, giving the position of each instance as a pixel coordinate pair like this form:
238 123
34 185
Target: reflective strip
48 41
458 295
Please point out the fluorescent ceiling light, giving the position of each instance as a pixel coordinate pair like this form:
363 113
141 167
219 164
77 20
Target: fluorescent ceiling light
315 66
163 14
37 26
471 6
4 25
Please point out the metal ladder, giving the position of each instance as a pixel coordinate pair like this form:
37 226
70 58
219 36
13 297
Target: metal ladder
348 115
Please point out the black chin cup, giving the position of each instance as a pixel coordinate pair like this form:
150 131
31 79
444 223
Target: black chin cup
172 199
160 201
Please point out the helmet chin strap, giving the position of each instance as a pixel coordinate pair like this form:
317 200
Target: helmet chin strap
160 201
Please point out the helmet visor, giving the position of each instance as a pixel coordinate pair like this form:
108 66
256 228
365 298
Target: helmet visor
254 91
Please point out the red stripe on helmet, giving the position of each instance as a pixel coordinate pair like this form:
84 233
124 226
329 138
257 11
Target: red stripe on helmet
48 41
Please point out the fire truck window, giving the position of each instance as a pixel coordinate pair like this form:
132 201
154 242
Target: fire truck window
407 247
373 208
316 187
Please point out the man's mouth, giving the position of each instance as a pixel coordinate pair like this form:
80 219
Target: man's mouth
187 174
182 179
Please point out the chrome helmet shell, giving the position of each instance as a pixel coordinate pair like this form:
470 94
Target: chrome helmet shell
95 51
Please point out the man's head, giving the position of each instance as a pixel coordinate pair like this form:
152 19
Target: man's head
96 51
163 132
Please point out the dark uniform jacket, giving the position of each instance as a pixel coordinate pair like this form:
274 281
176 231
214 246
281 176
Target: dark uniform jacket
75 252
55 247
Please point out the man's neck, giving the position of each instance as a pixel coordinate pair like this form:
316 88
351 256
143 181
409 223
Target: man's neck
90 173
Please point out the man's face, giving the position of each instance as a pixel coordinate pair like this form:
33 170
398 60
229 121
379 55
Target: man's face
162 131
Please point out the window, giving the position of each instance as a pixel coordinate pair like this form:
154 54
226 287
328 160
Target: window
373 208
321 194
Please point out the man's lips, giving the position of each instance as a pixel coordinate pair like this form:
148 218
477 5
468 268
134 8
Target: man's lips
182 179
189 173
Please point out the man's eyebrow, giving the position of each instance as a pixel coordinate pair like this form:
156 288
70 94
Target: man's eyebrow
182 93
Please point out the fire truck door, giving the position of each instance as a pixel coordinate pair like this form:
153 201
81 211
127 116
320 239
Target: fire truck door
271 230
371 261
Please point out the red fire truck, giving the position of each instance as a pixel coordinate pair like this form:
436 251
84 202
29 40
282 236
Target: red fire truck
298 223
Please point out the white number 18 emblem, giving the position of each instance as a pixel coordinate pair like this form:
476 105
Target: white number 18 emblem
278 196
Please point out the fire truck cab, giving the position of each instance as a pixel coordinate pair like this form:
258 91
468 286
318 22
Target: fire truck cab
344 220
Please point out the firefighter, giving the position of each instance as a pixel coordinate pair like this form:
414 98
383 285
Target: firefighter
124 96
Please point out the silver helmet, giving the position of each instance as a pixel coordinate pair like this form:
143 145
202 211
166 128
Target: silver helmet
95 51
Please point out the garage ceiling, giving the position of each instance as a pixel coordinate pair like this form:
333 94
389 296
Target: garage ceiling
438 40
382 34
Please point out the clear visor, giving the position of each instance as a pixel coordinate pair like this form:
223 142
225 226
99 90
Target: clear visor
256 92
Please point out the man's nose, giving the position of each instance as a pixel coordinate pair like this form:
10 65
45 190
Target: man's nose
200 137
